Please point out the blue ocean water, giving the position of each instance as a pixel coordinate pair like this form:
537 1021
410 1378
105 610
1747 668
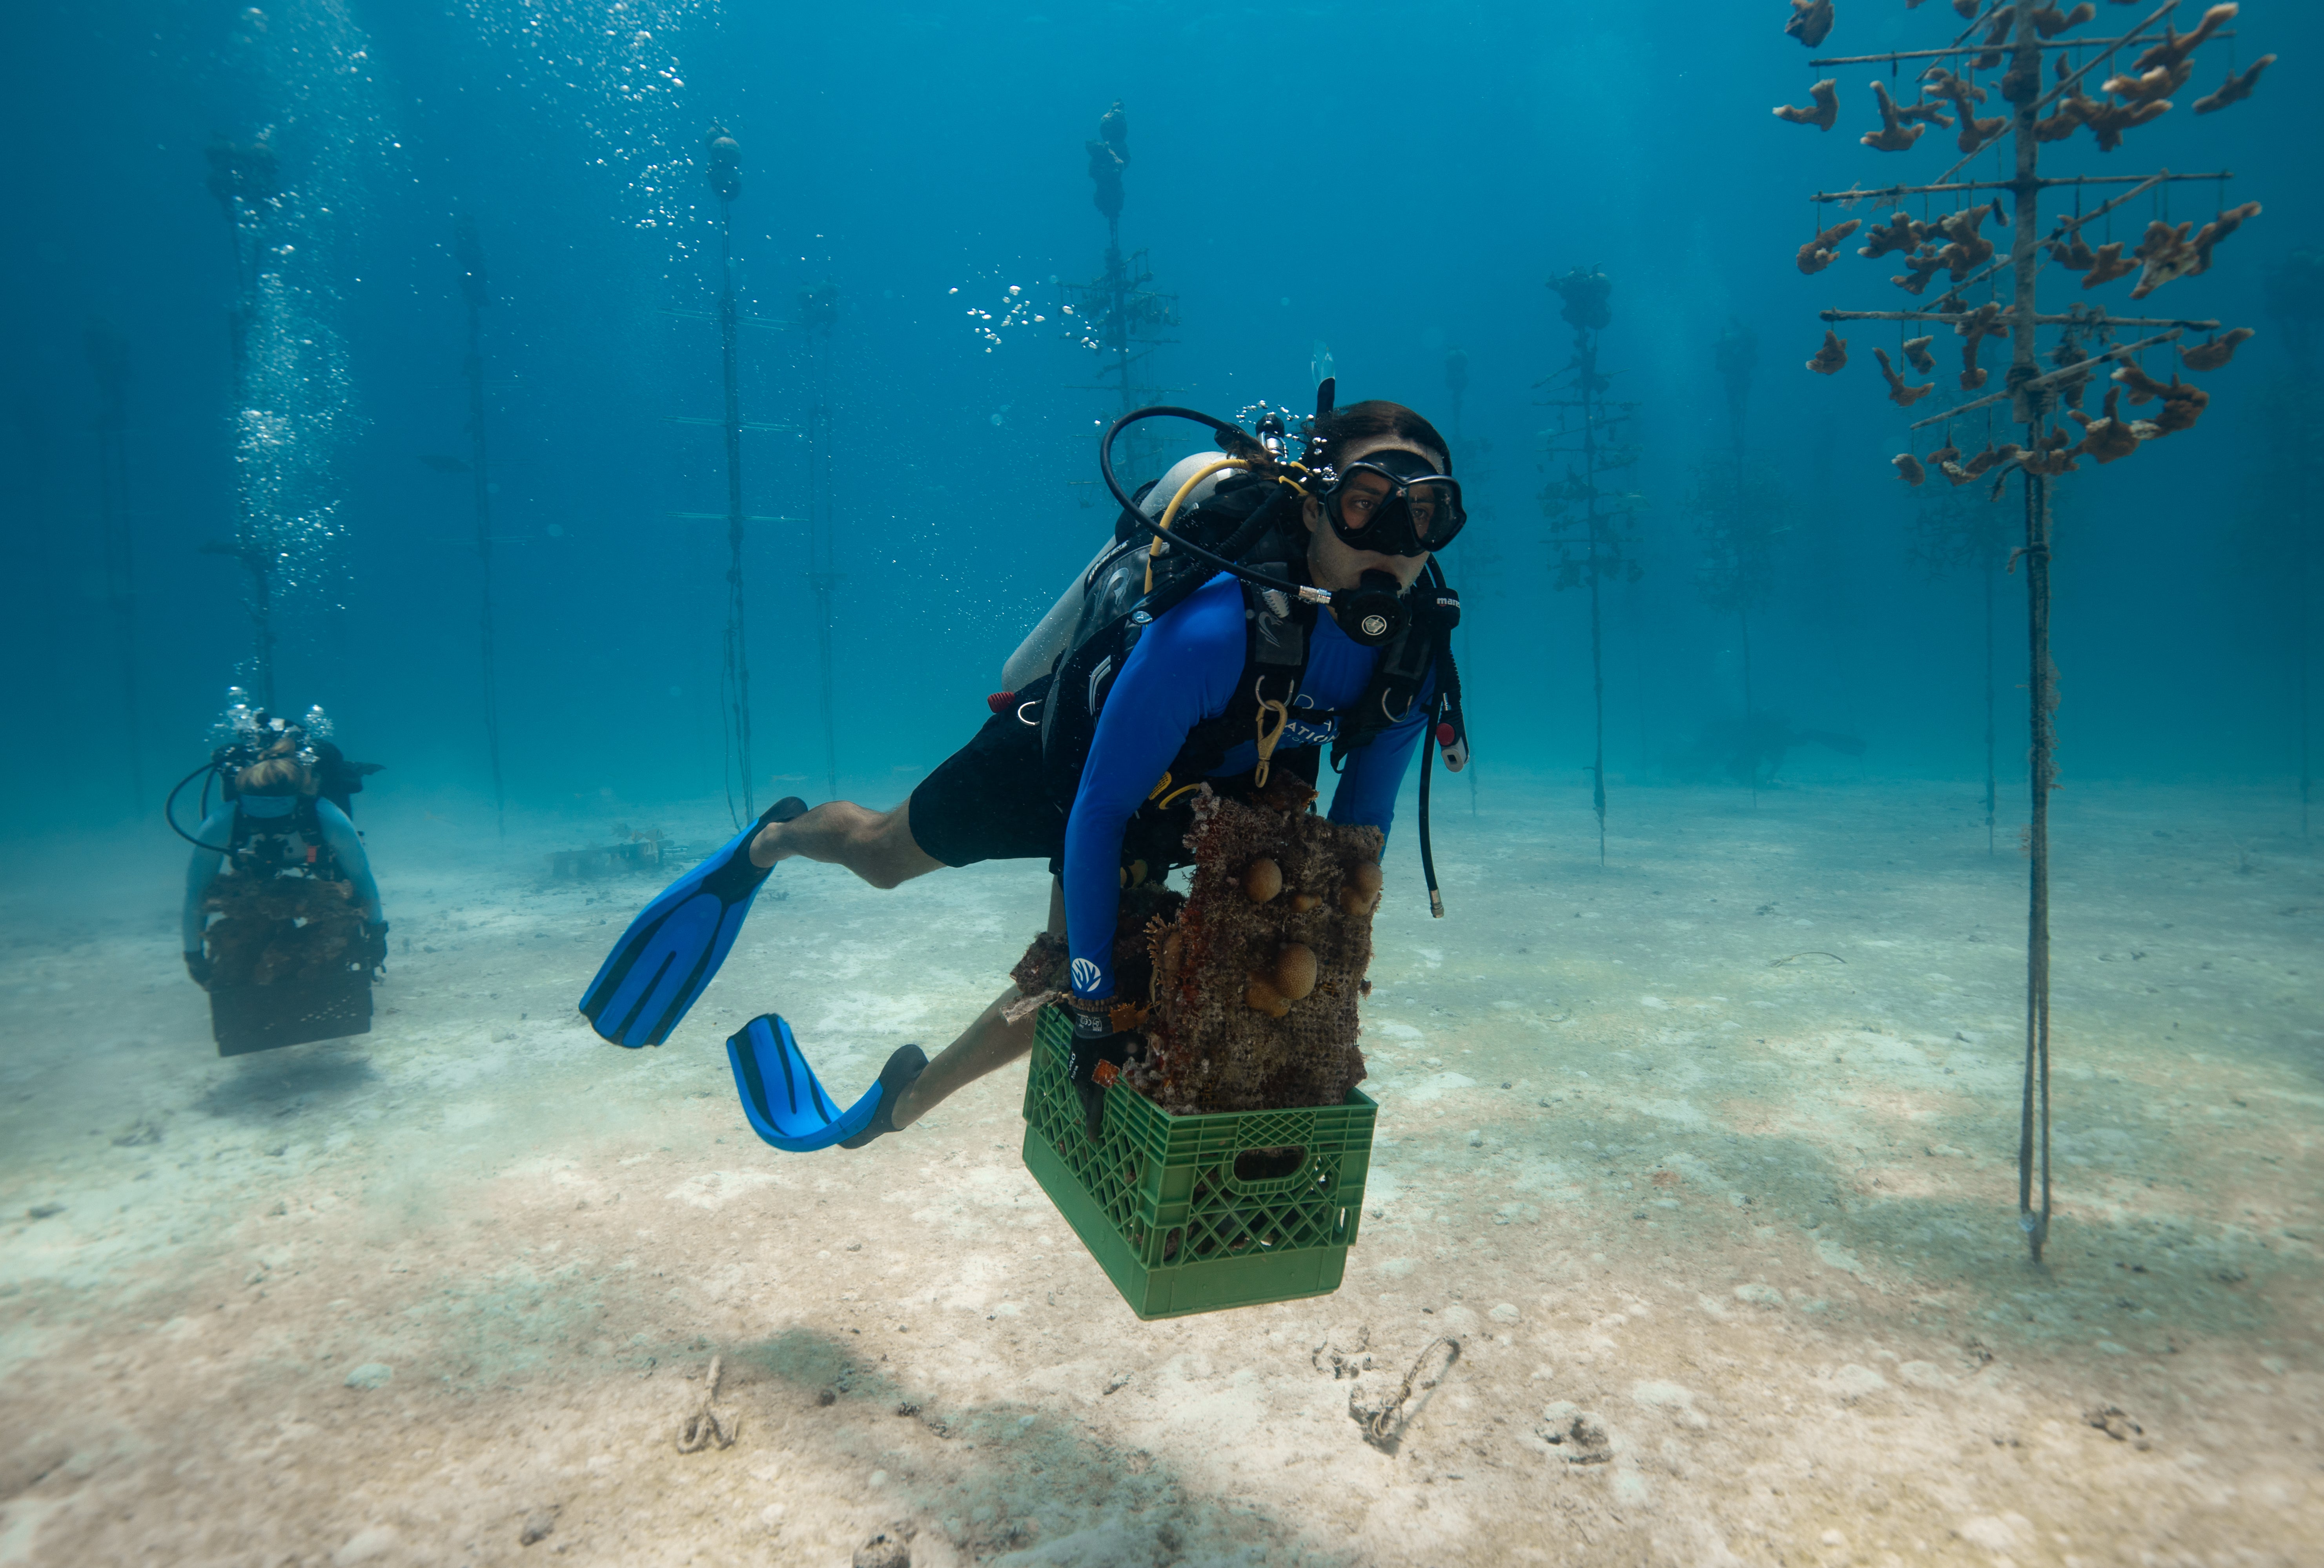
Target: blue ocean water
1703 1153
1389 185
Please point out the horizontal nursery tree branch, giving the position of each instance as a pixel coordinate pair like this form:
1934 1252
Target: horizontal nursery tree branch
1895 55
1890 193
1951 317
2039 382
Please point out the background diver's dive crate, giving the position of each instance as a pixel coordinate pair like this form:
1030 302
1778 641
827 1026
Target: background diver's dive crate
1195 1213
262 1018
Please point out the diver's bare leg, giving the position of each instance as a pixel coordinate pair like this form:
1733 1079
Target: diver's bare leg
991 1042
876 845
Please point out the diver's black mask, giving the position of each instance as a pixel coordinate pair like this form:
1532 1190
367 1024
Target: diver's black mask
1372 612
1394 502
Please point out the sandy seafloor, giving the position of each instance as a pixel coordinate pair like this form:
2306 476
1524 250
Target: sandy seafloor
392 1299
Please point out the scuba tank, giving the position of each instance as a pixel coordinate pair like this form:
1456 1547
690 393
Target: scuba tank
1059 629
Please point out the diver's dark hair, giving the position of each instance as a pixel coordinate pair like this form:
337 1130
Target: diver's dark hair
1342 429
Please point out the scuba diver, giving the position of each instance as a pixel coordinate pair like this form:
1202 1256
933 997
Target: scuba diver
1271 610
282 865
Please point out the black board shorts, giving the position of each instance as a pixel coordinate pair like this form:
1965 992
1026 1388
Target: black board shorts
986 801
989 801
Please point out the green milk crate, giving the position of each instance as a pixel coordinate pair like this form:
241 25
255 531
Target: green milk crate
1198 1213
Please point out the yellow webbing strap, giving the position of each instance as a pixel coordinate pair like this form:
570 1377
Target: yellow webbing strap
1268 734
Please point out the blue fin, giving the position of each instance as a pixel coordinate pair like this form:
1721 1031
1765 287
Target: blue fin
781 1095
661 964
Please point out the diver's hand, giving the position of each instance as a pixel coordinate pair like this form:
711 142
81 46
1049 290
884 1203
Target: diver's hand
375 948
1094 1061
198 969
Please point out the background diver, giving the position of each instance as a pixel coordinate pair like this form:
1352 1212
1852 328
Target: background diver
283 816
1198 699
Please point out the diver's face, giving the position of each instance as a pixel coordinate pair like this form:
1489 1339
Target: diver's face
1331 561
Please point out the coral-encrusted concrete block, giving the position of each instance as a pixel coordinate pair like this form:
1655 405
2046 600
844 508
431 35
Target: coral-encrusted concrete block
1256 981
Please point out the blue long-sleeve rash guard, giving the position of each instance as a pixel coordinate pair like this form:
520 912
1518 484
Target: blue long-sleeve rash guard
217 828
1184 670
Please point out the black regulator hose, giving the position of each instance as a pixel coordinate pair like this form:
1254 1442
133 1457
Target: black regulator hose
169 805
1427 855
1235 441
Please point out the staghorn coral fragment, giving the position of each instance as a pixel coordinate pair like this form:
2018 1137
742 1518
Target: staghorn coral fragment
1964 247
2004 20
2145 86
1826 113
1262 881
1811 22
1894 135
1817 254
1946 460
2219 229
2050 22
2177 46
1900 233
2143 387
2070 251
1917 354
1832 358
2108 122
1992 458
2072 113
2213 352
1900 393
2107 438
1964 97
2236 89
2166 254
2169 253
1908 468
1923 266
2182 405
1978 325
2107 265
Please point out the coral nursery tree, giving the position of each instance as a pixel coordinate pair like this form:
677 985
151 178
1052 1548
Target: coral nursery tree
2042 77
1592 521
